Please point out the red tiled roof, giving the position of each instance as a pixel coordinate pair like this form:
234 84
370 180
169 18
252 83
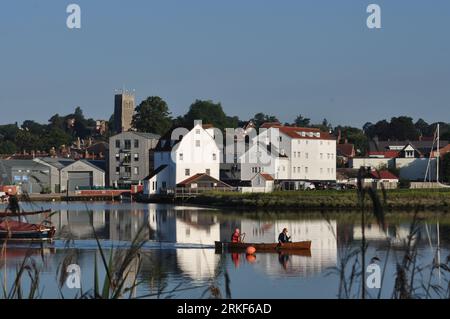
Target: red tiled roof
199 176
295 132
383 175
270 124
268 177
385 154
191 179
346 149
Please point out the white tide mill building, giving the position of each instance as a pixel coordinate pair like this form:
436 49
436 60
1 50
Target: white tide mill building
182 155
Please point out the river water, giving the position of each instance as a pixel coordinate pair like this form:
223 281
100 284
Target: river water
178 259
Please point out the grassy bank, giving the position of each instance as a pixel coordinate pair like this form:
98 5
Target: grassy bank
405 200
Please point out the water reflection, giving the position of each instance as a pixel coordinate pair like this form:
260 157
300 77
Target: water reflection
181 247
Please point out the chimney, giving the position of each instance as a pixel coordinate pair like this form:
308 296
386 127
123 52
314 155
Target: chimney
339 136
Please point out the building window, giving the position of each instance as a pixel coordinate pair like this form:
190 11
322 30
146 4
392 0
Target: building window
153 185
298 169
136 170
306 170
136 157
136 143
187 172
117 143
307 142
306 155
117 157
117 170
164 185
214 157
295 169
128 144
197 131
197 143
321 155
281 139
208 171
180 156
295 154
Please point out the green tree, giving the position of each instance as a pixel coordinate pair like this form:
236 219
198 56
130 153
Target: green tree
301 121
56 137
26 141
153 116
7 148
422 127
354 136
261 118
9 131
402 128
210 113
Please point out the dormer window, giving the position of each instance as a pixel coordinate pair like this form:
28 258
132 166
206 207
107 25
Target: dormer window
409 154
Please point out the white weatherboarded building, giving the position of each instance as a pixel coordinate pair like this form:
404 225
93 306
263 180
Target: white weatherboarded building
182 154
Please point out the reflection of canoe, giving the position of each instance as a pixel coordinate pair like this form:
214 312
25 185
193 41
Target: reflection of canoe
18 231
290 252
9 214
302 245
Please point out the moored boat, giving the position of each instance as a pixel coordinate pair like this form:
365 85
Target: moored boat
302 245
11 230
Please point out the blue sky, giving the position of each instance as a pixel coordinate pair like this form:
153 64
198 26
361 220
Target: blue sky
289 57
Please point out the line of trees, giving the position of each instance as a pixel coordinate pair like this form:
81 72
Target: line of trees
153 115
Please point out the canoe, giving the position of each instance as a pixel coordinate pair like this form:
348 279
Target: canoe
10 214
18 231
301 245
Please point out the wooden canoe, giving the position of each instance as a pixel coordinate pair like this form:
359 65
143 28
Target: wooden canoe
302 245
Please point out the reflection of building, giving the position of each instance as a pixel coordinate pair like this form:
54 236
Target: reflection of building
396 234
186 226
78 224
126 225
183 226
197 263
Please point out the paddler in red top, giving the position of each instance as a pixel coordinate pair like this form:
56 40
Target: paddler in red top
236 237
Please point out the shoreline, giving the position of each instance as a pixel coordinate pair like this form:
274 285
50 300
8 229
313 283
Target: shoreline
312 201
336 201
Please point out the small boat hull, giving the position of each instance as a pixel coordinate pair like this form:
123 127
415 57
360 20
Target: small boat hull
302 245
27 236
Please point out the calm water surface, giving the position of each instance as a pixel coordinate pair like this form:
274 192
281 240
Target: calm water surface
180 250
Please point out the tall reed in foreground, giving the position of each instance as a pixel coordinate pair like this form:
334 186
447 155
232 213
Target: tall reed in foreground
410 278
